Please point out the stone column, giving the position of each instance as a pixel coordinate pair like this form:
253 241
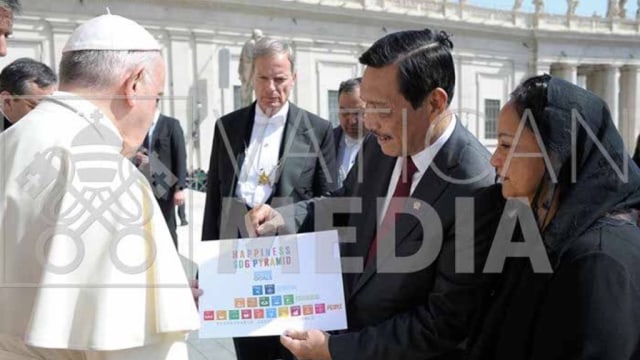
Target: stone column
565 71
582 81
595 83
585 72
629 125
461 7
611 90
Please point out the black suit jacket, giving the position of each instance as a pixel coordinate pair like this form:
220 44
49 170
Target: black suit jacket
421 314
167 142
337 139
307 165
5 124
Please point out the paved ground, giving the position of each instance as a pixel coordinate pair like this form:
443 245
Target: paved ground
188 240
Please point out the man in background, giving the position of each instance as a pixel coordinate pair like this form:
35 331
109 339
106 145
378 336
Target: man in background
270 149
163 159
349 135
23 83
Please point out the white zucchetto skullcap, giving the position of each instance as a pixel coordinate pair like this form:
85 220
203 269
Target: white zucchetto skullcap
111 32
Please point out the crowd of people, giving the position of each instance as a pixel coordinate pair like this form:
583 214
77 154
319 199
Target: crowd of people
531 252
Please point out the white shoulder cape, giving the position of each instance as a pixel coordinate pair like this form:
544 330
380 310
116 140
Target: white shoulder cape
87 260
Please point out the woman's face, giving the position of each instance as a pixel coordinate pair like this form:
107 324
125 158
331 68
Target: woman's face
518 160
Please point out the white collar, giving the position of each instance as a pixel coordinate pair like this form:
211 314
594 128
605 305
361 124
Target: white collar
156 117
350 142
277 119
86 109
424 158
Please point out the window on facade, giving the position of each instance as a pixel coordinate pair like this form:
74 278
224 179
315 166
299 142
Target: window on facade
237 97
491 111
334 107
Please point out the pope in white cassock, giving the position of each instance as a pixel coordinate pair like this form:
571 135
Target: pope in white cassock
88 268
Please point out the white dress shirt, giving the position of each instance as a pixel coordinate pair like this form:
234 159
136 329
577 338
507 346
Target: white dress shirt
422 160
347 154
262 157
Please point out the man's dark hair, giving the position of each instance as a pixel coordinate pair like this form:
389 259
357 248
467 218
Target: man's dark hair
13 5
15 77
424 62
349 86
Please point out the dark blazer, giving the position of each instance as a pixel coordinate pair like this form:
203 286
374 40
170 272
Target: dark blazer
421 314
307 158
5 124
167 167
307 169
338 133
168 143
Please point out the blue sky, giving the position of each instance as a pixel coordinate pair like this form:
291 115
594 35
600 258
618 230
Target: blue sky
586 7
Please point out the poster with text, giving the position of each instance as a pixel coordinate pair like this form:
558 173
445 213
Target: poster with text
264 286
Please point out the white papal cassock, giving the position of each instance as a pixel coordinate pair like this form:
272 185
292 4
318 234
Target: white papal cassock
87 260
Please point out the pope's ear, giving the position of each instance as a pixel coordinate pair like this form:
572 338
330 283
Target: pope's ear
132 85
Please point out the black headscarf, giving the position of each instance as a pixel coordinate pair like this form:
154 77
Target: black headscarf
598 189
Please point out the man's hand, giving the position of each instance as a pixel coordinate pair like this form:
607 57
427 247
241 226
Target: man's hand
195 291
142 158
307 344
263 220
178 198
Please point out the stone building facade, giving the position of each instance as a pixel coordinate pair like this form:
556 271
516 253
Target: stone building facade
494 51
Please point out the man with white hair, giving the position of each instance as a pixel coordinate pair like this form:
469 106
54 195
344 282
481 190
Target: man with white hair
89 270
7 9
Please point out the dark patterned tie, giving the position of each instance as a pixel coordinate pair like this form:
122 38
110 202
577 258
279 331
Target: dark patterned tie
403 190
147 143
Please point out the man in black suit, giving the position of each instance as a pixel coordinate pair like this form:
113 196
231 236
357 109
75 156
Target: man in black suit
163 159
415 293
349 135
270 149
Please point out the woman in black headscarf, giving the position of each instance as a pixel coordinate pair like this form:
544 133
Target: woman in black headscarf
583 197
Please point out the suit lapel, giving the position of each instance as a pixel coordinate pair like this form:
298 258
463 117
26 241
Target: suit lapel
376 164
429 189
245 125
158 132
294 142
238 132
337 140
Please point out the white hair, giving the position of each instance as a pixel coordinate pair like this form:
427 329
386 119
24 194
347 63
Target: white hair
268 46
100 69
